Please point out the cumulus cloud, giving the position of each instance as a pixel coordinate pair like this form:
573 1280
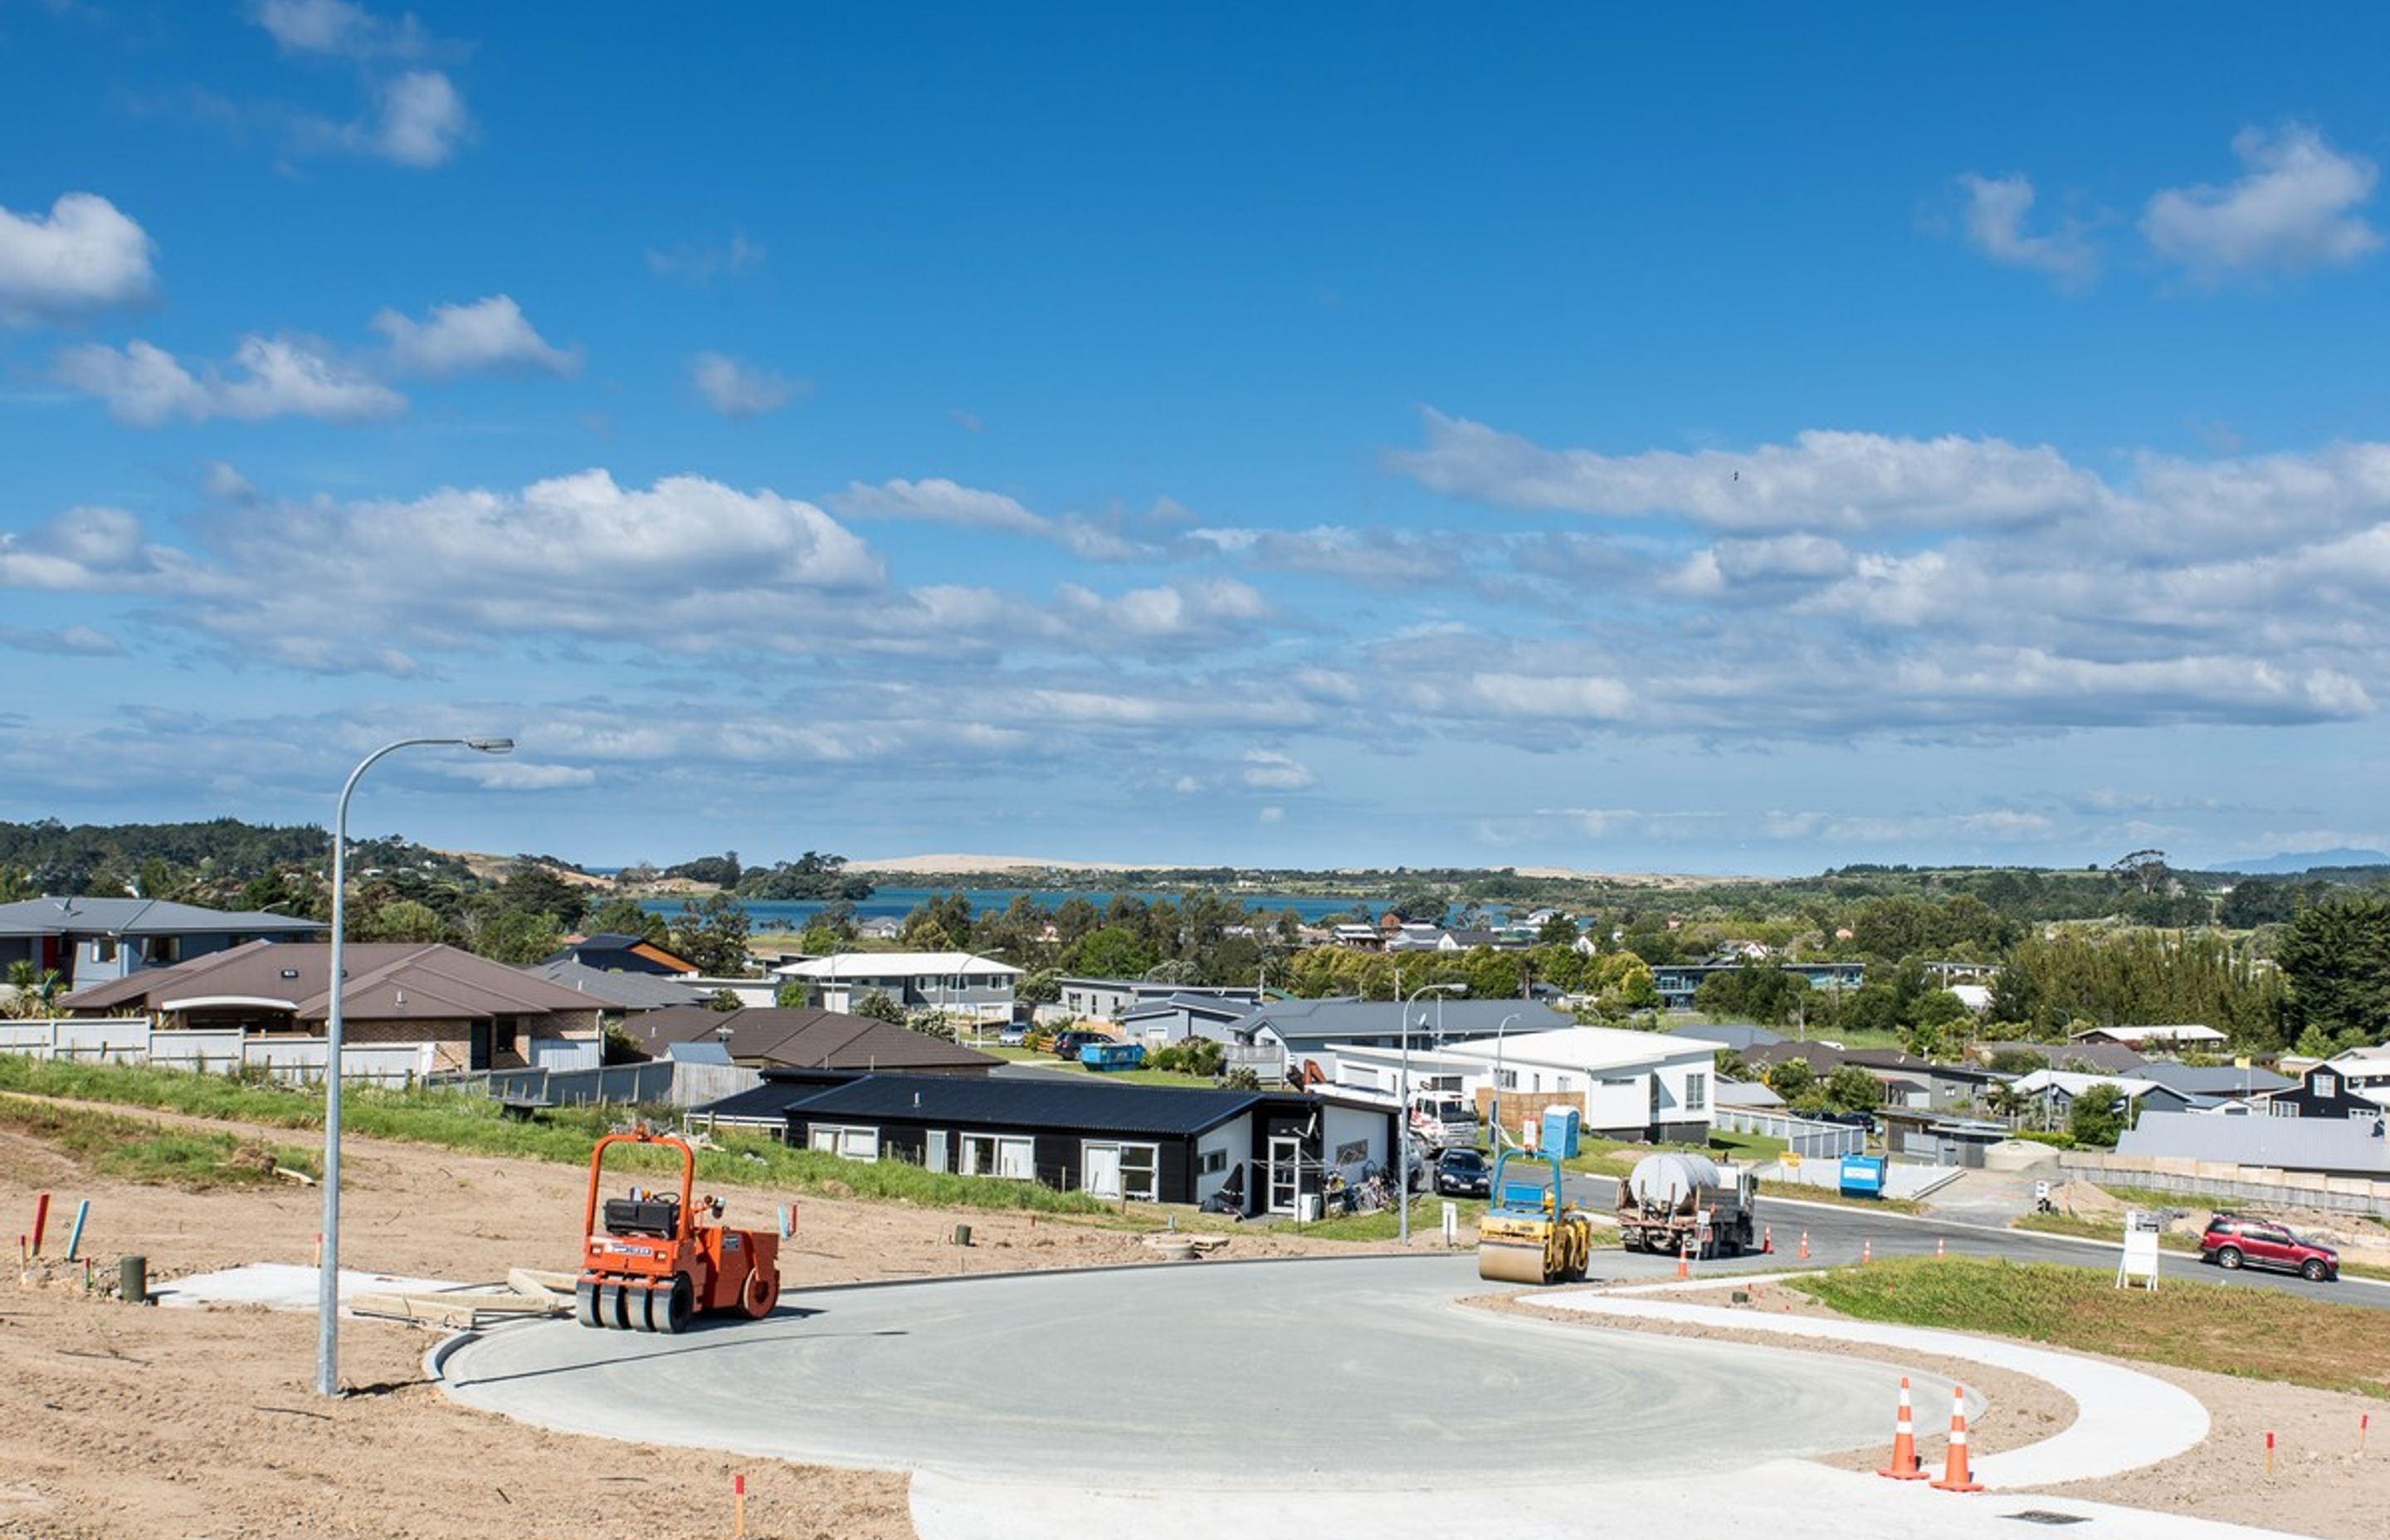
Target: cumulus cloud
2292 207
1831 481
419 119
1192 611
270 377
85 550
1995 221
737 389
1268 770
490 334
1372 557
339 29
84 254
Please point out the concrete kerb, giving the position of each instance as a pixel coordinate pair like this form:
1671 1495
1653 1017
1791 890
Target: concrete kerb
2124 1419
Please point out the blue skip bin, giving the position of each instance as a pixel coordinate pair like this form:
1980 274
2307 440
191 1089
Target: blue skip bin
1112 1055
1863 1175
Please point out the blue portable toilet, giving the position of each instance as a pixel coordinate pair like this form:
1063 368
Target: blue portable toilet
1863 1175
1561 1125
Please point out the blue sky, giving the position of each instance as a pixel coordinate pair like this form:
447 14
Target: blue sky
1280 436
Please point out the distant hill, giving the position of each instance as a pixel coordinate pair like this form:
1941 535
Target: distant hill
2292 863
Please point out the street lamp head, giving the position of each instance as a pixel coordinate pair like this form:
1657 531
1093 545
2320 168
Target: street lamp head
491 745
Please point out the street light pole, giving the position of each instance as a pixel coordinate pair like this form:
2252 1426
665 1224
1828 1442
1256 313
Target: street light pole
327 1282
1401 1160
1497 1079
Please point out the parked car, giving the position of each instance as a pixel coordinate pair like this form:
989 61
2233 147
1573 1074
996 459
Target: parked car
2233 1242
1066 1045
1865 1122
1014 1035
1462 1173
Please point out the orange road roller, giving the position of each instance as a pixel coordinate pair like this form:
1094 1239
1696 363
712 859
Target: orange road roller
653 1261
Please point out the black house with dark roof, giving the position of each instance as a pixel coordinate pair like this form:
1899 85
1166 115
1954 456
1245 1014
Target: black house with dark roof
1266 1151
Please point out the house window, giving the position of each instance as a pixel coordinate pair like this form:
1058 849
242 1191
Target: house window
2327 1086
1009 1155
2283 1109
1697 1091
847 1143
104 949
1506 1079
1211 1162
1130 1170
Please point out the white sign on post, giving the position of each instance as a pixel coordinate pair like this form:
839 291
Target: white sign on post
2141 1258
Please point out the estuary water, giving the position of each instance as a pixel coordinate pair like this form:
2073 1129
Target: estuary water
896 902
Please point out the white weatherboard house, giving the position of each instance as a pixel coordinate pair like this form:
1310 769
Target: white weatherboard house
960 983
1629 1085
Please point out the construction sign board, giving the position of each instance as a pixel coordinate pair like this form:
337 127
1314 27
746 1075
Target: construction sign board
2140 1259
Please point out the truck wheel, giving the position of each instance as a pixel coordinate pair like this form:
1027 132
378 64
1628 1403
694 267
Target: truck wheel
761 1293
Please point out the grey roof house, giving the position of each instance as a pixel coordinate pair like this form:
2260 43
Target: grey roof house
806 1038
2334 1147
615 991
91 941
1304 1029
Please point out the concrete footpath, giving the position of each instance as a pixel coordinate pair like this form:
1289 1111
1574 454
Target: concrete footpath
1781 1499
2124 1419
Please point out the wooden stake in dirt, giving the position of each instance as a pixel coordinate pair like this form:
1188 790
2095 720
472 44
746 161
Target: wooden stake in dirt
2269 1451
2364 1420
41 1219
739 1505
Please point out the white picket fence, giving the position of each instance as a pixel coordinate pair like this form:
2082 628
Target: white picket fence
131 1040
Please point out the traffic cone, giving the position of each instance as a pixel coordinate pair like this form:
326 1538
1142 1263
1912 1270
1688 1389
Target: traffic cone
1955 1476
1903 1466
1768 1240
1684 1259
1805 1245
1938 1252
1866 1251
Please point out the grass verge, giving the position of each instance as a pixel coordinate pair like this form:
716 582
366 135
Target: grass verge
1427 1220
2251 1333
474 1123
139 1151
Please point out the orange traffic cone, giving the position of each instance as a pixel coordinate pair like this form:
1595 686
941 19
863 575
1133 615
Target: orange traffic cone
1955 1476
1684 1259
1768 1238
1866 1251
1805 1245
1938 1252
1903 1466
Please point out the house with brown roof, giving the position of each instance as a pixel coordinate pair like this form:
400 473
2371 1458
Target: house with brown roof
806 1038
610 952
468 1012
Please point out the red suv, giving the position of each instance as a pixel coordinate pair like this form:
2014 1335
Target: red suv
2232 1241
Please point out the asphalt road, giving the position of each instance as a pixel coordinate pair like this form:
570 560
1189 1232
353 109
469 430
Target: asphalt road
1838 1232
1353 1373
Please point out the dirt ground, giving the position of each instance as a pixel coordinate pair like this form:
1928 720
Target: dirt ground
122 1421
2321 1484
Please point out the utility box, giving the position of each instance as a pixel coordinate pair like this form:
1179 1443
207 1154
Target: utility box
1863 1175
1561 1126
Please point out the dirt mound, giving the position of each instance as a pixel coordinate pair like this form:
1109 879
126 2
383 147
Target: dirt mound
2086 1201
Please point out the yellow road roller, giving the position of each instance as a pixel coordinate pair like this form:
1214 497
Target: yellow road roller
1530 1233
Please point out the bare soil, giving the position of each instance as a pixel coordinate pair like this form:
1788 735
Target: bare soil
119 1420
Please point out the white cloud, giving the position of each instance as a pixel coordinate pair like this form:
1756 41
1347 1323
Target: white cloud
1839 482
340 29
1187 786
1268 770
1205 610
224 482
423 120
466 338
86 254
275 376
1372 557
938 501
1271 815
740 389
698 263
2292 207
518 775
72 641
1996 207
85 550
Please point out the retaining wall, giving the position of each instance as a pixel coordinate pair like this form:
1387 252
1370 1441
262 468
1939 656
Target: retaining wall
2252 1184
